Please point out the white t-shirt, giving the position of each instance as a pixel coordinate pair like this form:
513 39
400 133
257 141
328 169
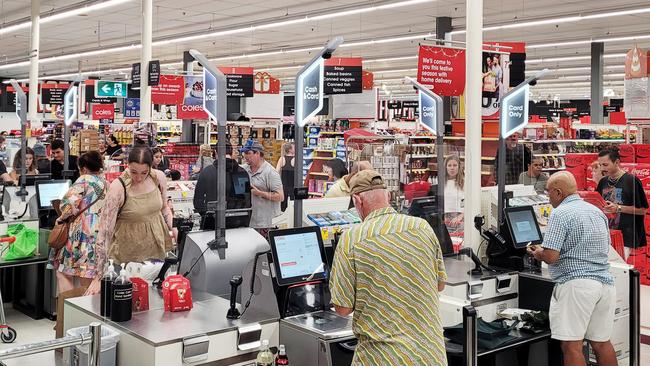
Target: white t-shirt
454 197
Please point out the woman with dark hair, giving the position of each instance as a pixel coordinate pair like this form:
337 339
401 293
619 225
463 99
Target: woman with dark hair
160 162
78 258
30 164
136 224
335 169
113 150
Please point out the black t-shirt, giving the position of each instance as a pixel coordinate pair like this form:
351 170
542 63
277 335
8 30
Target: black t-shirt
111 150
627 191
56 168
3 168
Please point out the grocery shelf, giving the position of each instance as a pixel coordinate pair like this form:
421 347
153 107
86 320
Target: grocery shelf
463 138
422 144
332 132
422 156
556 154
575 141
423 137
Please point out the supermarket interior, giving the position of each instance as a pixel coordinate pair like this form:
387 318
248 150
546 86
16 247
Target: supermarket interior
324 183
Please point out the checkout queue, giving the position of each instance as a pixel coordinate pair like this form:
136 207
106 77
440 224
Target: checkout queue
376 299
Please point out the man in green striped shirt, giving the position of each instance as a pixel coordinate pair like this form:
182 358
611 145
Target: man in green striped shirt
389 271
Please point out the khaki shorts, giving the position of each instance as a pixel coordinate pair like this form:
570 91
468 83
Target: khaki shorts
582 309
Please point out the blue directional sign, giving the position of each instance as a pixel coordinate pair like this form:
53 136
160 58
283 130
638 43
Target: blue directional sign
309 92
70 105
430 107
514 111
113 89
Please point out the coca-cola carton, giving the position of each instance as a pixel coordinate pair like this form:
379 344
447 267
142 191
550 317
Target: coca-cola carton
140 294
573 160
177 293
642 152
642 171
627 152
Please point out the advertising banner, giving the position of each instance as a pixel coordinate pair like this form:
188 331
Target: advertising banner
52 94
496 81
103 111
170 90
367 80
442 69
132 108
637 84
343 75
239 81
264 83
191 105
154 73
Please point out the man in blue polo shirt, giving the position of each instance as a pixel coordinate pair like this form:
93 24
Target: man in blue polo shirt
575 247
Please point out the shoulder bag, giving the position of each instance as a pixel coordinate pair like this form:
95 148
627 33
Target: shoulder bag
61 230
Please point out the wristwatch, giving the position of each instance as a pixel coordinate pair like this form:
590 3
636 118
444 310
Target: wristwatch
618 209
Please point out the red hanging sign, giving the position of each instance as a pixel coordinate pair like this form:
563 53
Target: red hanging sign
191 103
367 80
168 91
442 69
103 111
264 83
636 63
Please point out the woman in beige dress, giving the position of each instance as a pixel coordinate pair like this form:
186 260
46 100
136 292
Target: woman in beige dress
136 222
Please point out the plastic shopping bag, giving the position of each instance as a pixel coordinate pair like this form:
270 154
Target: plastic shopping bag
25 244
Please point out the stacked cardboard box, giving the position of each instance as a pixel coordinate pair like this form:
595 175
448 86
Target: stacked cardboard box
88 140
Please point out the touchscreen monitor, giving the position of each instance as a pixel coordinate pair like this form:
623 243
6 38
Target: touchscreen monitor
523 226
46 191
298 255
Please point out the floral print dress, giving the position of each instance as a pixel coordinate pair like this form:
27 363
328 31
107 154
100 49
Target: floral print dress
78 257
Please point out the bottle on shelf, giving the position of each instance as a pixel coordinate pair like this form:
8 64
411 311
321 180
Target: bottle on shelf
265 357
121 306
282 358
107 289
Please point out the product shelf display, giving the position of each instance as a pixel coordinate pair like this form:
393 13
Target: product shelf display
383 153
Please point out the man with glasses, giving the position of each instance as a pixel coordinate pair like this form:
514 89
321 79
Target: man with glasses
517 160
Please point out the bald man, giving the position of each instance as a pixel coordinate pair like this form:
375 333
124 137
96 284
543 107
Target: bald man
575 247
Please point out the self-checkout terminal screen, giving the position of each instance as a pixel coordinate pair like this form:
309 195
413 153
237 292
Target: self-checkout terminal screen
48 191
299 255
523 226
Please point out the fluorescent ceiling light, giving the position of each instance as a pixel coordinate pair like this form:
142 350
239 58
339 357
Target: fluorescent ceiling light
387 40
571 58
63 15
73 74
571 69
587 41
388 59
559 20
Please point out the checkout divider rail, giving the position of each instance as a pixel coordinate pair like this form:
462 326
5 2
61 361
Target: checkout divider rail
470 342
93 339
635 318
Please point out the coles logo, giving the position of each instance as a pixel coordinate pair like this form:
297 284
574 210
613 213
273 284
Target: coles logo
103 111
191 108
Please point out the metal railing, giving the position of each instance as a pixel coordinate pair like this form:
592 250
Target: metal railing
93 339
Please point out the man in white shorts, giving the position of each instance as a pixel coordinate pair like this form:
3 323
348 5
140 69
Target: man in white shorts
575 247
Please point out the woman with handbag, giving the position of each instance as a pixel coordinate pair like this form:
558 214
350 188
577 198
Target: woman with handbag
136 224
73 256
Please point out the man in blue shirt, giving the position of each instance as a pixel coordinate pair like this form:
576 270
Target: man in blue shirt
576 248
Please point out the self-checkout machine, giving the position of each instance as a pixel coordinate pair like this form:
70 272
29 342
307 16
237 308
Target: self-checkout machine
292 279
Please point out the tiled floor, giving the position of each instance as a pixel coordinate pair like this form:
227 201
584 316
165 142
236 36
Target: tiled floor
30 331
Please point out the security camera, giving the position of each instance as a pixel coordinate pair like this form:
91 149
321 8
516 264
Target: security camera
327 55
533 83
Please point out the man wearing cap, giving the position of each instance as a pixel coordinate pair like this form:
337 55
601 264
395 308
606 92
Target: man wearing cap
389 270
40 155
266 187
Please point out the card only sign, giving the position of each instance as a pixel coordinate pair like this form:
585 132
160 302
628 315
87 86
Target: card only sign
343 75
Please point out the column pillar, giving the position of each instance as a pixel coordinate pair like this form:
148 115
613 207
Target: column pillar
443 28
187 128
597 68
473 122
145 57
33 61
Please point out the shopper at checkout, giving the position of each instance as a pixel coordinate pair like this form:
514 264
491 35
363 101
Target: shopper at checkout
576 248
206 188
625 198
534 175
30 164
454 191
136 222
341 188
374 276
266 187
40 155
57 165
76 263
286 169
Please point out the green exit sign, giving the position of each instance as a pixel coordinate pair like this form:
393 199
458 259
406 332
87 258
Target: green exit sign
111 89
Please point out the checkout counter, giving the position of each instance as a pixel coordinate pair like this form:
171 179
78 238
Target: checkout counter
284 297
